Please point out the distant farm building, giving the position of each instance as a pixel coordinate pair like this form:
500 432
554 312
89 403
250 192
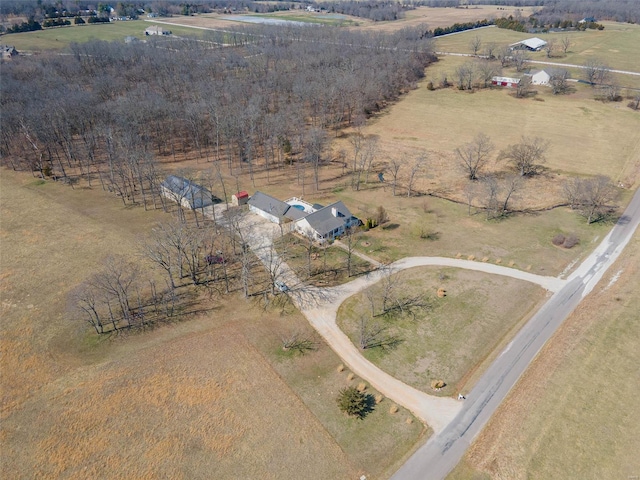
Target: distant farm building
186 193
534 44
156 30
8 51
539 77
240 198
505 82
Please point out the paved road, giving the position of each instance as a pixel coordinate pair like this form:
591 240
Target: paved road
443 451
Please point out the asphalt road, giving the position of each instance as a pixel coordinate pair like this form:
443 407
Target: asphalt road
443 451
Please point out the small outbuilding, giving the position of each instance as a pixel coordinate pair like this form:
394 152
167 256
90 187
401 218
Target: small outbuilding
539 77
8 51
240 198
156 30
186 193
533 44
505 82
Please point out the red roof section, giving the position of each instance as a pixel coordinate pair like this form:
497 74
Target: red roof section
242 194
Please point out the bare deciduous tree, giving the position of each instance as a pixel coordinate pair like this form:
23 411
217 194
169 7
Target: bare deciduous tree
527 156
566 44
592 197
475 155
520 59
394 167
475 44
559 80
550 47
523 88
415 170
596 71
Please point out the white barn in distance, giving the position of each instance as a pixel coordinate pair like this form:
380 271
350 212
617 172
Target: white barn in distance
534 44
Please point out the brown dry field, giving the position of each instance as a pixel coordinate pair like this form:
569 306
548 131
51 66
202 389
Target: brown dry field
576 407
433 17
213 395
444 17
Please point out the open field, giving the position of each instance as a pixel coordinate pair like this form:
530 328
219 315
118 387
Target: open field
451 337
211 395
616 45
444 17
606 135
576 406
61 37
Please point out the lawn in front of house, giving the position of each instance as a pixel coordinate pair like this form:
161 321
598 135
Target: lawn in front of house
438 338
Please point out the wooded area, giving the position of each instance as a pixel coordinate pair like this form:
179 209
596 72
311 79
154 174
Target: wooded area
249 99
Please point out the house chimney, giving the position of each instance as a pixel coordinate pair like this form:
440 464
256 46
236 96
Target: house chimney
334 212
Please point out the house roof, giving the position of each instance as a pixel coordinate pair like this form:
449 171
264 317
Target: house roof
533 43
242 194
323 221
196 195
269 204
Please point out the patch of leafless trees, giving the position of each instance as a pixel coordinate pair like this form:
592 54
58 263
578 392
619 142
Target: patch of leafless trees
250 99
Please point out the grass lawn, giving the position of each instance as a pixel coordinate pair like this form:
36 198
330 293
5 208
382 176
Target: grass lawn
451 337
576 406
522 239
60 38
328 264
213 395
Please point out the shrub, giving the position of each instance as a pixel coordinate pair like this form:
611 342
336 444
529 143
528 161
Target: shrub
353 402
381 215
78 21
558 240
430 86
571 241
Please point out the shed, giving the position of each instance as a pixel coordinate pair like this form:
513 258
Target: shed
540 77
156 30
505 82
240 198
186 193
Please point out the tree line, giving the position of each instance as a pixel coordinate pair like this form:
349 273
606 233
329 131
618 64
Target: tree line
250 99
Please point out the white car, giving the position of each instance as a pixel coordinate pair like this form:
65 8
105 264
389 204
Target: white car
280 285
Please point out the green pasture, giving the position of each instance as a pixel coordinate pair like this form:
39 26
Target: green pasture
61 37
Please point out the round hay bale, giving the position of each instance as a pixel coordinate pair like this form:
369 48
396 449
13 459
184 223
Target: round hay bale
485 259
361 387
498 261
512 263
471 257
458 255
528 269
437 384
341 368
442 293
393 409
378 399
350 377
409 420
